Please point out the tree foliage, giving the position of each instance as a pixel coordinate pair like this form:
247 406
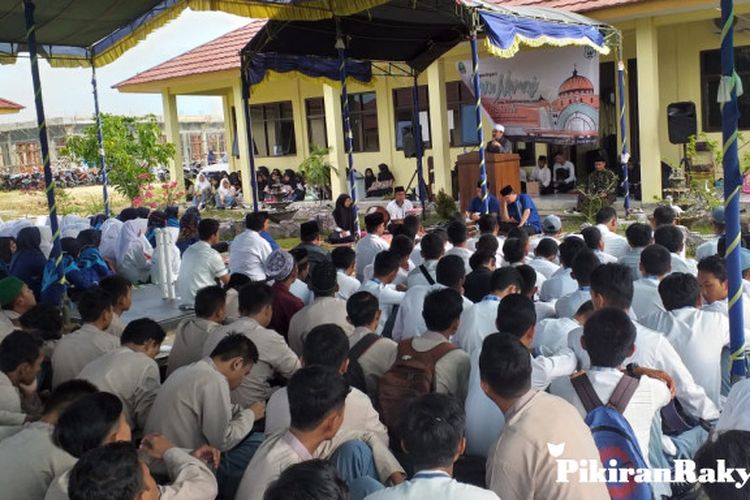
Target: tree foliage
316 169
132 147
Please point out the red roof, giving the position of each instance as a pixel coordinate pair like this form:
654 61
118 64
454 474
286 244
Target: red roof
572 5
220 54
9 105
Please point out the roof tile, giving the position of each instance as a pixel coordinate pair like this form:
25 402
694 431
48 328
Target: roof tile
9 105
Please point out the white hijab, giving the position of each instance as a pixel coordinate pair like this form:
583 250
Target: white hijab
110 234
131 236
224 187
202 185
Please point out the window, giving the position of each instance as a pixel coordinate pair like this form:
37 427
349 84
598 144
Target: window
710 77
273 129
403 112
363 114
316 122
462 121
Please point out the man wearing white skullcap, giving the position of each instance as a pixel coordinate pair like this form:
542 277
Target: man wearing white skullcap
499 143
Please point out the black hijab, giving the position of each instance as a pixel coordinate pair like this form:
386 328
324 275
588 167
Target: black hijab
343 216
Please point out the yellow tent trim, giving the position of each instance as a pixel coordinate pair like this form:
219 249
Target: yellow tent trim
539 42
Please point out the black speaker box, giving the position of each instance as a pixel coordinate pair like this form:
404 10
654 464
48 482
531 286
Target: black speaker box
681 121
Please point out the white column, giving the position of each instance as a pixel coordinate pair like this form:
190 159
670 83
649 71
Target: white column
172 131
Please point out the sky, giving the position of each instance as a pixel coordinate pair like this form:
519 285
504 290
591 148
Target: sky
67 92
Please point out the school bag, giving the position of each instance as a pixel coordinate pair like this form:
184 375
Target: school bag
354 373
412 375
613 435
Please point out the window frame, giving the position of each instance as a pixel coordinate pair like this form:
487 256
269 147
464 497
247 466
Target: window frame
310 117
457 107
424 106
357 117
708 95
264 123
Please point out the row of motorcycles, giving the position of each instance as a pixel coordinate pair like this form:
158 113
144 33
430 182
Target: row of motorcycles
31 181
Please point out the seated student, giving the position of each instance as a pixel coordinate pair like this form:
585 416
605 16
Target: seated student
489 243
552 333
477 282
736 409
130 372
403 246
202 266
709 248
77 279
518 210
326 308
249 249
516 253
609 338
21 359
655 266
432 250
193 408
327 345
457 237
714 283
311 241
385 270
698 335
607 223
673 240
15 299
561 282
399 207
475 210
121 291
232 308
90 257
479 321
515 316
312 479
612 286
564 173
520 466
593 238
116 471
409 322
545 258
487 225
344 259
75 350
543 175
639 236
317 397
583 265
282 269
344 216
29 460
299 288
728 450
529 289
275 358
551 228
450 365
372 243
191 334
433 438
91 421
372 353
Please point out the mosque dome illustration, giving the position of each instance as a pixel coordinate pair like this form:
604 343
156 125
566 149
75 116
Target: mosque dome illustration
576 85
576 108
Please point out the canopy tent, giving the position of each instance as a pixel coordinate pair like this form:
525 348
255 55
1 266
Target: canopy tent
8 107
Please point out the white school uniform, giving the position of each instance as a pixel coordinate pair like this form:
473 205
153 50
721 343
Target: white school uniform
646 298
476 323
248 253
348 285
416 276
682 265
433 485
567 305
377 360
409 320
558 285
614 244
552 334
387 296
367 248
545 267
201 267
736 412
188 342
632 259
323 310
76 350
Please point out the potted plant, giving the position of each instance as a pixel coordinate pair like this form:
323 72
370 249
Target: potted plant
316 170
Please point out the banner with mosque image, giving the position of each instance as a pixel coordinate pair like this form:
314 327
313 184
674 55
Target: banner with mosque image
543 95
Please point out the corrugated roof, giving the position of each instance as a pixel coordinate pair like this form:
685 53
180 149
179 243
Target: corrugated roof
572 5
9 106
220 54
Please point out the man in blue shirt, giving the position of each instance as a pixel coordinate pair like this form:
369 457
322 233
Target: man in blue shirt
518 210
476 207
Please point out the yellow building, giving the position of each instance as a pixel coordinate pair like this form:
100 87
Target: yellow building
672 53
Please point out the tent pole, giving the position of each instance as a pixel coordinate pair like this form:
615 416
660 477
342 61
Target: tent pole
100 139
625 155
732 183
348 138
478 111
251 144
56 253
419 145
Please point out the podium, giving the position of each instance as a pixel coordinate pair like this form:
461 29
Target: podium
502 170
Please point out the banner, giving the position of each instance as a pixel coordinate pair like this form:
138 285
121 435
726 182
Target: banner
543 95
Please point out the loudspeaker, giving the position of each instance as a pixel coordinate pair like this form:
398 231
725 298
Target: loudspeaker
681 121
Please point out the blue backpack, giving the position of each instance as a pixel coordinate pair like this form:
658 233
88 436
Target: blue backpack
613 435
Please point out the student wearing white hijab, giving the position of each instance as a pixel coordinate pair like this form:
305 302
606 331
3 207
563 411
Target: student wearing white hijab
225 195
133 251
110 234
201 191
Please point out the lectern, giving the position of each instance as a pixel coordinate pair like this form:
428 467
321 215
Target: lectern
502 170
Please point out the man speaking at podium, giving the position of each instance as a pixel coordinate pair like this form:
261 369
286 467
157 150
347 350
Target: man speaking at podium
499 143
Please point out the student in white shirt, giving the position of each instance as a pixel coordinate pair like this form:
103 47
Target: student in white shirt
130 372
584 264
710 247
201 266
432 249
545 258
314 478
327 345
552 333
344 258
409 321
317 397
372 244
403 246
609 338
487 224
607 223
639 236
561 283
380 285
564 173
299 287
529 289
21 359
121 290
516 250
655 265
249 250
543 175
399 207
698 335
674 240
433 438
736 411
593 238
191 334
457 237
714 283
